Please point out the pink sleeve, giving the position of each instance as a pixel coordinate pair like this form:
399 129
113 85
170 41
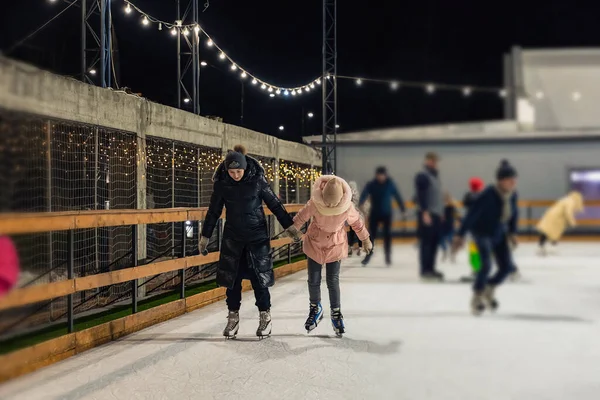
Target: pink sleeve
357 224
304 215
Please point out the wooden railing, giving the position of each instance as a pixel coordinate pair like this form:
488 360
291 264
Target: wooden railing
25 223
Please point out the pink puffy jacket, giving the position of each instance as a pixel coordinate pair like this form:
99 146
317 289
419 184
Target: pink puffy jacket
9 265
326 239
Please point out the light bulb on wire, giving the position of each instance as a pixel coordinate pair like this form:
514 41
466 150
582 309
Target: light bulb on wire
263 86
502 93
430 89
197 28
358 81
467 91
270 89
203 63
186 32
394 85
293 92
233 67
145 21
318 81
272 95
128 9
243 74
278 91
286 92
222 56
209 43
254 81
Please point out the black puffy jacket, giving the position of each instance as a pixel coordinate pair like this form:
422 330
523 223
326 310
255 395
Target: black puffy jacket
246 227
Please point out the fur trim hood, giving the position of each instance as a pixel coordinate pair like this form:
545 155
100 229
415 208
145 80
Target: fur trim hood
253 170
577 200
317 196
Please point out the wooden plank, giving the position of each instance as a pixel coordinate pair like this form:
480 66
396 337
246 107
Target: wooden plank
34 294
281 242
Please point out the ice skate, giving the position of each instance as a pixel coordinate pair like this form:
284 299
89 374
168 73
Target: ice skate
489 298
365 262
337 321
264 325
388 261
514 276
233 325
315 315
477 304
434 276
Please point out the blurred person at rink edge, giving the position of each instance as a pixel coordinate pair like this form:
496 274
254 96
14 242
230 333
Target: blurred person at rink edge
380 191
451 215
430 204
329 208
240 186
354 244
558 218
492 221
9 265
476 186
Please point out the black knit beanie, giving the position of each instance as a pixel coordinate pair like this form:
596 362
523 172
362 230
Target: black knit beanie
505 170
235 160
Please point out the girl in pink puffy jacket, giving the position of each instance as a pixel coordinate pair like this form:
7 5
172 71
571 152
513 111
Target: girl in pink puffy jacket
9 265
326 242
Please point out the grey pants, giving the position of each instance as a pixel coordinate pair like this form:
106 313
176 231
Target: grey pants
332 276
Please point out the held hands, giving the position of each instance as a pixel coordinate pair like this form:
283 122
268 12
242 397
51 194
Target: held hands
203 246
294 233
367 246
457 243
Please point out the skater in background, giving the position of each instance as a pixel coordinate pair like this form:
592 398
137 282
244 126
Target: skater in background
330 207
9 265
428 188
558 218
381 191
451 215
490 220
240 186
354 244
476 186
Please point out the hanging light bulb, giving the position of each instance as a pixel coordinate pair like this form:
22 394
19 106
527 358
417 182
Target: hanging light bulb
358 81
278 91
233 67
128 9
243 74
254 81
502 93
307 88
312 85
467 91
430 89
145 21
222 56
186 32
204 63
318 81
286 92
173 31
160 26
210 43
394 85
270 89
293 92
263 86
197 28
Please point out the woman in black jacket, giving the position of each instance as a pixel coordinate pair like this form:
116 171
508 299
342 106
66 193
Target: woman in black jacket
240 186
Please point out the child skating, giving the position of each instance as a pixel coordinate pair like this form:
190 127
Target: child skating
476 186
326 242
491 219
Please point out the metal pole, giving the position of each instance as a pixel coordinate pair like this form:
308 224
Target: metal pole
109 47
70 269
96 177
182 271
103 42
134 283
178 59
173 198
49 192
83 39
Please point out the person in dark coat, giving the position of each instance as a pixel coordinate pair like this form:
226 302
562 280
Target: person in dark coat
492 221
430 203
381 191
240 186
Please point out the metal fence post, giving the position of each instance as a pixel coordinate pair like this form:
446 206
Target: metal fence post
289 253
70 269
134 283
182 271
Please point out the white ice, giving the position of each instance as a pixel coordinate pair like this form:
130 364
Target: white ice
405 340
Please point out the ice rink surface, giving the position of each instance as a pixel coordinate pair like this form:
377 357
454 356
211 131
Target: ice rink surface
405 340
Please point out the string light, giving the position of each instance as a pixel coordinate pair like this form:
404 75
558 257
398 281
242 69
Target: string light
467 91
263 86
394 85
272 95
430 88
222 56
233 67
502 93
197 29
243 74
254 81
358 81
128 9
145 20
174 31
186 32
270 89
210 43
203 63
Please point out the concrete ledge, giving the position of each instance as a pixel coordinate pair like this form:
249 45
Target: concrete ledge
32 358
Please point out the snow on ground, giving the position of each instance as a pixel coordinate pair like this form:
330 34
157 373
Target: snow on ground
405 340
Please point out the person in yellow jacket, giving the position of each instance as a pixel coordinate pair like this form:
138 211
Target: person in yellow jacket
558 218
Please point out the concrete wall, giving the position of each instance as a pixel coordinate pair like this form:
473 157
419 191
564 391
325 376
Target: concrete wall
559 74
28 89
543 166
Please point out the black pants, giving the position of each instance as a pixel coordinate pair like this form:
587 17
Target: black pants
429 241
498 248
234 295
386 220
353 238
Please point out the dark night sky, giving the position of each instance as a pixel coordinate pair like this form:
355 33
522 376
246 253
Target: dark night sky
280 42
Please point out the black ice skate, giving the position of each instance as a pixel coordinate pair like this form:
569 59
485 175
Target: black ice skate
490 300
337 321
233 325
477 304
367 258
264 325
315 315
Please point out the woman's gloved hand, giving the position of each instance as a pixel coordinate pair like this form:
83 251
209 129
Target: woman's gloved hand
294 233
203 246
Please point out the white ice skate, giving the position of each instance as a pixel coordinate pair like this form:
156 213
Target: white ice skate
233 325
477 304
264 325
337 321
490 299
